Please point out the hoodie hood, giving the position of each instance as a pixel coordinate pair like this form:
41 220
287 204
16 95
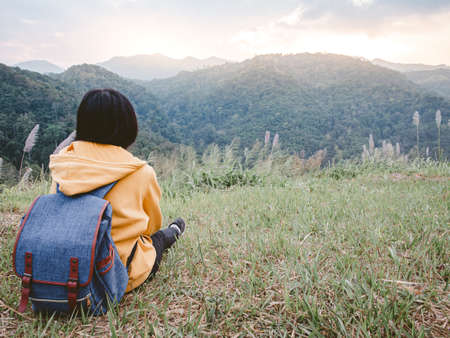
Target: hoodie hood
85 166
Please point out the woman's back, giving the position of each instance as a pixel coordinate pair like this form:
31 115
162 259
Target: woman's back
85 166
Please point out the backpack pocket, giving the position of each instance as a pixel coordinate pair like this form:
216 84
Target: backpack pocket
54 299
110 271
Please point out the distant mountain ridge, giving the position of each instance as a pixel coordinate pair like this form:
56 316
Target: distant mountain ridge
407 67
436 80
148 67
40 66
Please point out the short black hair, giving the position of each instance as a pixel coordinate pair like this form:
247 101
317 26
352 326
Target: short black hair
106 116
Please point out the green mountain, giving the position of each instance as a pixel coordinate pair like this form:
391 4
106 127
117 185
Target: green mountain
312 101
436 80
148 67
40 66
83 78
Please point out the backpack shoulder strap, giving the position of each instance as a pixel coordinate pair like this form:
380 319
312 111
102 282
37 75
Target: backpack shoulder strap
99 192
102 191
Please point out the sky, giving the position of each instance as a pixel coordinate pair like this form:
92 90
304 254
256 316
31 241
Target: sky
68 32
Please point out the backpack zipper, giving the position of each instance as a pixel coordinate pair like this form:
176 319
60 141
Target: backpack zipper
59 300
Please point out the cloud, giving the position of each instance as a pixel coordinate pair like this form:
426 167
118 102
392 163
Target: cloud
14 51
398 37
292 18
361 3
28 21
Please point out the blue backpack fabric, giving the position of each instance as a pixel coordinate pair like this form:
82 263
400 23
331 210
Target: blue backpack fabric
65 255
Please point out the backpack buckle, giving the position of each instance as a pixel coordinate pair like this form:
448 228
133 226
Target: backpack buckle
72 283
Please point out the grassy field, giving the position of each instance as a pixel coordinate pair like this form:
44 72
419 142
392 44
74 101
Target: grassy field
340 252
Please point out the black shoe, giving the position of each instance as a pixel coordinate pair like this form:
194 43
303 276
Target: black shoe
178 225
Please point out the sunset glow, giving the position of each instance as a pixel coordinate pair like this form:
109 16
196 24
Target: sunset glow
91 32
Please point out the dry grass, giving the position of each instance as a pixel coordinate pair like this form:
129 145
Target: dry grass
359 256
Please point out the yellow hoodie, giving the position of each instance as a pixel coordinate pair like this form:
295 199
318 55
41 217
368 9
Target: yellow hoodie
85 166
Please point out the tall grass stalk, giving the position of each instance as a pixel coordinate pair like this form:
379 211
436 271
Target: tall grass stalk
26 176
416 122
438 124
387 153
267 138
275 143
29 144
68 140
371 145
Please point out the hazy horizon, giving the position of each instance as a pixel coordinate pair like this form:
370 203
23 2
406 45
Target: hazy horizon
187 56
65 34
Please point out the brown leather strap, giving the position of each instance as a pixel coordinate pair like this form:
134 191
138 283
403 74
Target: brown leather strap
26 282
72 284
108 259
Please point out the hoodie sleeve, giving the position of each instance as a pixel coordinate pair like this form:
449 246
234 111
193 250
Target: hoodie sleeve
152 196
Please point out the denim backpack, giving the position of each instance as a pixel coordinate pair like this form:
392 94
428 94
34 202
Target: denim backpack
65 255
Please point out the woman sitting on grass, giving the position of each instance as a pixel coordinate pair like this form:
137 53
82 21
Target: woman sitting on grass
106 127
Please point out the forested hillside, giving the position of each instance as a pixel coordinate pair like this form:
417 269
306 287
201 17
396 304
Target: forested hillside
313 101
29 98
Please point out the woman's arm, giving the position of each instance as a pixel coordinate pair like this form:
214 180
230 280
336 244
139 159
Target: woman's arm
152 196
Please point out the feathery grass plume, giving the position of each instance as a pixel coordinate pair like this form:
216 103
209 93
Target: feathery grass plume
371 145
387 153
416 122
275 141
25 177
416 118
438 118
68 140
212 157
253 154
31 139
29 144
1 166
438 124
388 150
365 154
246 157
315 161
427 152
230 154
267 138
